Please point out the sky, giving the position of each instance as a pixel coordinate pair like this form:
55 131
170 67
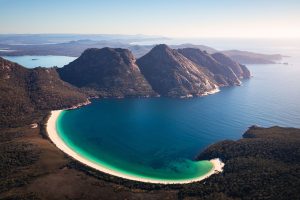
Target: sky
170 18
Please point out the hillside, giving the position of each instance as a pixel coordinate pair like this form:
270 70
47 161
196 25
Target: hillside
240 70
111 72
172 74
222 73
26 91
265 164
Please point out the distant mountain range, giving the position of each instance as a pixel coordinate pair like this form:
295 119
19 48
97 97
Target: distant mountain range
76 47
38 39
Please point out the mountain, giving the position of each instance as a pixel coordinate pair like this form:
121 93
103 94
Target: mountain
222 73
24 91
240 70
111 72
172 74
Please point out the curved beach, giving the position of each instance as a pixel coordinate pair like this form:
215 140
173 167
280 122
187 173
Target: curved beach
55 138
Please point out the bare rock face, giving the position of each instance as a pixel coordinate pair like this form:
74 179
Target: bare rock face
241 71
172 74
223 68
111 72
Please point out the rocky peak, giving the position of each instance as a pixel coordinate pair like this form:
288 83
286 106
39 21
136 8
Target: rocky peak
111 72
172 74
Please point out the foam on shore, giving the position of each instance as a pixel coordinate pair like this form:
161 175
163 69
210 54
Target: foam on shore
55 138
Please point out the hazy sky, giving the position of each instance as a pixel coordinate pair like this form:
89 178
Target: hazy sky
173 18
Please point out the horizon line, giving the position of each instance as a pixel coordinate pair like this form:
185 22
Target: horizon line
162 36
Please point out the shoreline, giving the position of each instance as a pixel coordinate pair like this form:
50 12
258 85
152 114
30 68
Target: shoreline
59 143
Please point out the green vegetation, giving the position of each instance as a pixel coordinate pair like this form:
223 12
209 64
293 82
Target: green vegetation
26 92
15 155
263 165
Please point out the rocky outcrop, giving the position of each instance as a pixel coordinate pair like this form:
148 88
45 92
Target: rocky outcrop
111 72
241 71
222 73
172 74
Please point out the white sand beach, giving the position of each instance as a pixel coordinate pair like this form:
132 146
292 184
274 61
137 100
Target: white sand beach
54 137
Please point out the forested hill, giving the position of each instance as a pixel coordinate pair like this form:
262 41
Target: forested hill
265 164
24 92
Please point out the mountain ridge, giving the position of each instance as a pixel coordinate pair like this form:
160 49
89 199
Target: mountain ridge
172 74
223 74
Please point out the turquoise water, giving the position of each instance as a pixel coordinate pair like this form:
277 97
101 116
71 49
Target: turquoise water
160 137
131 136
41 61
